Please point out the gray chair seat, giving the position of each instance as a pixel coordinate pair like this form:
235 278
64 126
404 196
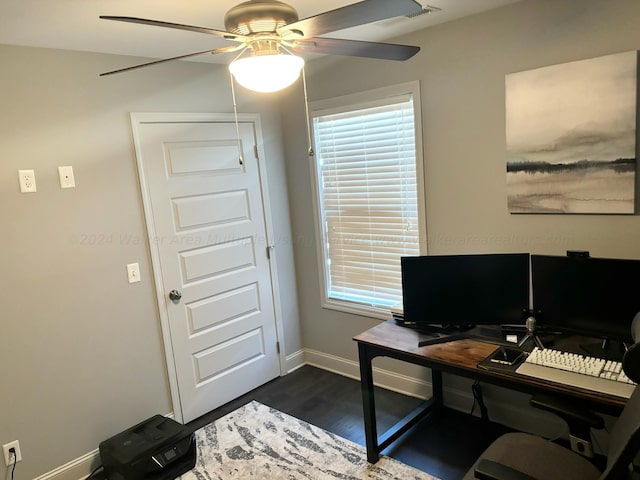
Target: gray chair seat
539 458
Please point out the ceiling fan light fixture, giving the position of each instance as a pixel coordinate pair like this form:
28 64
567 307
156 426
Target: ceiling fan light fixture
267 73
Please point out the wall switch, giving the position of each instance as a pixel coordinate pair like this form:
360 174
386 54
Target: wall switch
27 181
9 459
133 272
66 177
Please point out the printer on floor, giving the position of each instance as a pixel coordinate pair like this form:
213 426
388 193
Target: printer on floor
158 448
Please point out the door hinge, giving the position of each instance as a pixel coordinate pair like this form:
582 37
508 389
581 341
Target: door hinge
269 250
278 347
255 151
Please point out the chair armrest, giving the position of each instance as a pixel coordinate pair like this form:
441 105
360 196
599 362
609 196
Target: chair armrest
570 412
489 470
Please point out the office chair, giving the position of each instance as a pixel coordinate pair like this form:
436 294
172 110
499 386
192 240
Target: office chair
522 456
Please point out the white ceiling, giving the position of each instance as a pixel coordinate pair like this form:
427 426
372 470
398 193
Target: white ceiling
74 24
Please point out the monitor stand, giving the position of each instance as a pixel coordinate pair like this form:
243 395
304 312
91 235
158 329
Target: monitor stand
443 328
439 333
607 349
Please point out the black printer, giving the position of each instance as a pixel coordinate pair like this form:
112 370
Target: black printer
158 448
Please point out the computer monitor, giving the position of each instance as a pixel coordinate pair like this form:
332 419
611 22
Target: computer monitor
594 297
465 290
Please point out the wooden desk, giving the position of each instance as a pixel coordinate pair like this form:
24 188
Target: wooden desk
458 357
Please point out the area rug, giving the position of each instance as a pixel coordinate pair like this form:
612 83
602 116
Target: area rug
257 442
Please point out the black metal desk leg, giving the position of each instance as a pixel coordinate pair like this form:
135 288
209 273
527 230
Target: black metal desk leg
368 403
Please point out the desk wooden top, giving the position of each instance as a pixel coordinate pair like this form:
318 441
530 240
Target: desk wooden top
461 357
463 353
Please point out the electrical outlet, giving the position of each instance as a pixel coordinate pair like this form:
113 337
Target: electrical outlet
66 177
27 181
9 459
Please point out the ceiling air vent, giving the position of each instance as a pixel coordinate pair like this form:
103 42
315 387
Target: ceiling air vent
425 10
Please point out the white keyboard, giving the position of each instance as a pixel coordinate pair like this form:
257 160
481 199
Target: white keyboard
582 371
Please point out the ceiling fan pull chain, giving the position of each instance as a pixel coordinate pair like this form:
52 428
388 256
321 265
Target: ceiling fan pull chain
235 113
310 152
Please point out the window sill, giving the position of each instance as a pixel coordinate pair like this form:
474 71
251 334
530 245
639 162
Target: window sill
379 313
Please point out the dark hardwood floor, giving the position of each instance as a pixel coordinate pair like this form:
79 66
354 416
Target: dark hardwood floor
445 445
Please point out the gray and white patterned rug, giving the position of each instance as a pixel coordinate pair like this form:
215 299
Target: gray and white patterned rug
257 442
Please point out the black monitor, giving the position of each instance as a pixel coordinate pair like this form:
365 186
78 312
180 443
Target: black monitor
594 297
464 290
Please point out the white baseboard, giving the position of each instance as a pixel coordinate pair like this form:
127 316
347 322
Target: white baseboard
77 469
294 361
509 413
384 378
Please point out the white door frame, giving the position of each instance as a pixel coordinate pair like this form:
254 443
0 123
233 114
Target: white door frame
138 118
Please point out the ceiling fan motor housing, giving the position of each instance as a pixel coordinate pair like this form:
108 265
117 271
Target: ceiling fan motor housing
259 16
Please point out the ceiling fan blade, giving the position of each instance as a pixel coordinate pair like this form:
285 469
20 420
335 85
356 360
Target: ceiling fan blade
356 48
352 15
214 51
179 26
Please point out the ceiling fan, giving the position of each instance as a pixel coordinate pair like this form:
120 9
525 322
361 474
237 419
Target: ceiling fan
268 31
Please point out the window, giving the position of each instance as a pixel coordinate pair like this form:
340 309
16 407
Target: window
368 179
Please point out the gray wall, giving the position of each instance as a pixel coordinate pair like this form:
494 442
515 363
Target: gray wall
461 69
80 348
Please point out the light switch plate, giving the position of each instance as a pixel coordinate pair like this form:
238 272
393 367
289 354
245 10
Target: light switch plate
133 272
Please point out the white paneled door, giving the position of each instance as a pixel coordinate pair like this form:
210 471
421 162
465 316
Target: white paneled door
206 211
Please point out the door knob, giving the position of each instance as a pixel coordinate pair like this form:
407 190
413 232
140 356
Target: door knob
175 296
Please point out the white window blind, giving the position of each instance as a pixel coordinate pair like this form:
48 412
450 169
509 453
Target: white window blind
366 172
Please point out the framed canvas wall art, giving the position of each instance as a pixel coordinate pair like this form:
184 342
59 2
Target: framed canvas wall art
571 137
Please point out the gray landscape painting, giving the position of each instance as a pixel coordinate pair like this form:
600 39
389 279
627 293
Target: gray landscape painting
571 132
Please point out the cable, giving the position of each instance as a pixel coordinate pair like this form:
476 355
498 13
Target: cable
95 470
477 396
475 402
15 460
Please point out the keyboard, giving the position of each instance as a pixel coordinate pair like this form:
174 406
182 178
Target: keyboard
591 373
